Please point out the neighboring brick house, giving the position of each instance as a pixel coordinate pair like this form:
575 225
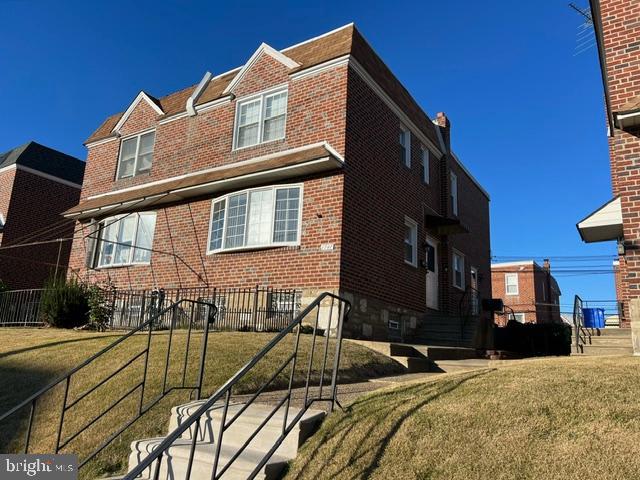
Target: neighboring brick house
310 168
617 32
37 184
529 292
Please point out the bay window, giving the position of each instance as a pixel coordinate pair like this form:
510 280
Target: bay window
260 217
260 119
126 239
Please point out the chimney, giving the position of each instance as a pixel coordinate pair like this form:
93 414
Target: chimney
546 265
445 129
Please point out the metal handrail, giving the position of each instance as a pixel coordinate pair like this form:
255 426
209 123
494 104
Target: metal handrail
32 401
582 334
226 390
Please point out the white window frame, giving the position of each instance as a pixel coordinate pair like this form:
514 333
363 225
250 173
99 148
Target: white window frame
261 97
2 222
271 243
506 283
116 218
516 315
425 162
137 136
405 134
413 225
454 193
456 253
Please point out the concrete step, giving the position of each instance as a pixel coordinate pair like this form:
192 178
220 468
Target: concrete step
415 364
611 341
233 438
595 350
447 366
610 332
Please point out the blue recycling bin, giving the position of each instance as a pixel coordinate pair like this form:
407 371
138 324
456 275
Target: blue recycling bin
593 317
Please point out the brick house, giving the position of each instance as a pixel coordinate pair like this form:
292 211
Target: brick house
310 168
617 32
529 292
37 184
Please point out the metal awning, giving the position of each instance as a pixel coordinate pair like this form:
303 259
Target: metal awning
604 224
444 225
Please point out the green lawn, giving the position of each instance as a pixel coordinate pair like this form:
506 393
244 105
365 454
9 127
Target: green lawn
31 358
557 418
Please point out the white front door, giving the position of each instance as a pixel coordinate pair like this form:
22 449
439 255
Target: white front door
432 273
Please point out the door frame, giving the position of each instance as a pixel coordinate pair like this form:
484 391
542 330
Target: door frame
435 243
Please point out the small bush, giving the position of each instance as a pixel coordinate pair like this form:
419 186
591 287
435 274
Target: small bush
3 287
64 304
100 308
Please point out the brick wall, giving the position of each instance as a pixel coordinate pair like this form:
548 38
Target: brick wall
35 205
621 30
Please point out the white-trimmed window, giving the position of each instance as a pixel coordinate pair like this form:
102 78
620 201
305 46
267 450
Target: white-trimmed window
424 163
518 317
511 283
260 217
136 155
260 119
405 146
126 239
1 222
410 242
458 270
454 193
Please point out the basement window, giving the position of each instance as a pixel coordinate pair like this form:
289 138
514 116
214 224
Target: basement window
260 119
136 155
256 218
126 239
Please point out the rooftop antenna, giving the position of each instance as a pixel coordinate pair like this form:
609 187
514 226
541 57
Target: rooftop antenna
585 38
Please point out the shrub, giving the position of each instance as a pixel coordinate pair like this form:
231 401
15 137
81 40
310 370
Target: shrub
64 304
534 339
100 308
3 287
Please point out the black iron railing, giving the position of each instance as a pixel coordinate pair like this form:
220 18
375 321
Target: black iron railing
81 394
582 335
328 312
20 308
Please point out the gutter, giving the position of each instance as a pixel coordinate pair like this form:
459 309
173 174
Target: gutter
596 16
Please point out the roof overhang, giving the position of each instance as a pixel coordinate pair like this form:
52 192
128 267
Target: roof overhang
294 163
604 224
444 225
628 120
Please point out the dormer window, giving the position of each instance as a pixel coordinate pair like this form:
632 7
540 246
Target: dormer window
136 155
260 119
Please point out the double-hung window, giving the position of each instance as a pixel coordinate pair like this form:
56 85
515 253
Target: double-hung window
260 119
424 163
136 155
405 146
259 217
458 270
511 283
454 193
410 242
126 239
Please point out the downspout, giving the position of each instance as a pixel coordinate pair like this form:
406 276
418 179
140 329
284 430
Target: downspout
193 98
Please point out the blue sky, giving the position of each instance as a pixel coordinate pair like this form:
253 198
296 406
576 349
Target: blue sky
527 114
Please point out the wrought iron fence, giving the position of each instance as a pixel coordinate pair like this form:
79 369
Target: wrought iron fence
259 309
20 308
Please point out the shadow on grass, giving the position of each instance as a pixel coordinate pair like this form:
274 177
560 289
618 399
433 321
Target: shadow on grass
55 344
386 405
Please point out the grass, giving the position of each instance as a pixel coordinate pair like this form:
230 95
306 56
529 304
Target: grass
31 358
559 418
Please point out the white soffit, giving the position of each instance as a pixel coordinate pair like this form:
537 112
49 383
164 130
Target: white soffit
604 224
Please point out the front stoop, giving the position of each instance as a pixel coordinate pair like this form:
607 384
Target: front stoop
176 458
608 341
425 358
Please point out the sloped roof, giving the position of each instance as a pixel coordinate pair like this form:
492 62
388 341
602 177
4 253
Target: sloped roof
45 160
344 41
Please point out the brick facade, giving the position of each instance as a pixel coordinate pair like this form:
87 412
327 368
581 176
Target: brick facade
538 294
621 32
32 203
352 218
